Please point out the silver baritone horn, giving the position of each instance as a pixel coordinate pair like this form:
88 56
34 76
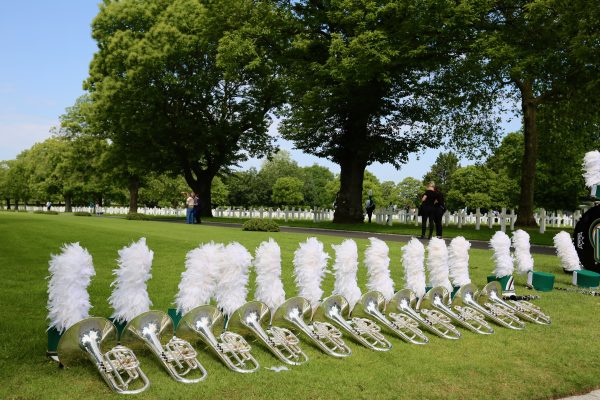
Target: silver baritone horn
292 314
177 356
118 366
438 298
206 323
492 306
403 303
372 305
522 309
249 319
366 332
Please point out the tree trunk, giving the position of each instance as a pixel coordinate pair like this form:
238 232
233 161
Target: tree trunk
7 203
16 204
68 203
134 188
530 133
201 186
348 203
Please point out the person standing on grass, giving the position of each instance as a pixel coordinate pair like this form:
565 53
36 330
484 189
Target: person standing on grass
197 209
189 208
370 206
439 208
427 209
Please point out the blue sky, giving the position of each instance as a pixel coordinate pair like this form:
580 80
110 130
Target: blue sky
46 49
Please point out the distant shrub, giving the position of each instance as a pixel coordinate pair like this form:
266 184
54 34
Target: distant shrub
46 212
136 217
263 225
82 214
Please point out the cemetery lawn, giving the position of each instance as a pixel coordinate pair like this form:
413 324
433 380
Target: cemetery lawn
538 363
468 231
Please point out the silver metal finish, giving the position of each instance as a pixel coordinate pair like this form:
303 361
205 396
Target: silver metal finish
486 303
467 317
284 345
372 305
522 309
404 302
205 323
177 356
293 314
366 332
529 312
119 367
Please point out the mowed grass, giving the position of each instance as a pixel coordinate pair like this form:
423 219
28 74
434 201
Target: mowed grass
450 231
539 362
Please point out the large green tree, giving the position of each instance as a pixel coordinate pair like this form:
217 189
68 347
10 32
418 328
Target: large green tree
359 74
537 53
185 85
441 171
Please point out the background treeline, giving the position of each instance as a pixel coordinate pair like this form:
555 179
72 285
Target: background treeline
190 88
72 171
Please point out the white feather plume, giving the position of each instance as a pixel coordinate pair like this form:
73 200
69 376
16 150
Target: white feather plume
437 263
70 275
346 267
413 260
377 261
130 295
269 288
458 261
232 284
199 279
520 242
591 168
503 260
310 263
565 250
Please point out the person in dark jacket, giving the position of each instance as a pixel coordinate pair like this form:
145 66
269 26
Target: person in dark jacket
439 208
197 209
428 209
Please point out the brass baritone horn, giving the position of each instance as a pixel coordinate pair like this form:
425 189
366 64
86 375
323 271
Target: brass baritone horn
467 317
372 305
523 309
292 314
206 322
491 305
366 332
119 366
403 304
177 356
284 345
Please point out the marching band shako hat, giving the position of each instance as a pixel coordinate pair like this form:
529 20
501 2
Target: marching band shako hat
507 282
586 279
540 281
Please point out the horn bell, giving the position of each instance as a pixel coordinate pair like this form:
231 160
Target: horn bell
364 331
294 313
206 323
489 298
404 303
465 316
119 367
152 329
250 318
372 305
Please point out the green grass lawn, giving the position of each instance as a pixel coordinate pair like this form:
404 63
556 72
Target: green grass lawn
468 231
539 362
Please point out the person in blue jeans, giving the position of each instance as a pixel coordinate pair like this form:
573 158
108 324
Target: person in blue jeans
189 208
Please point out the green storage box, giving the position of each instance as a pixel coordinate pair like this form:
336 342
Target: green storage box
507 283
540 281
53 339
175 316
586 279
